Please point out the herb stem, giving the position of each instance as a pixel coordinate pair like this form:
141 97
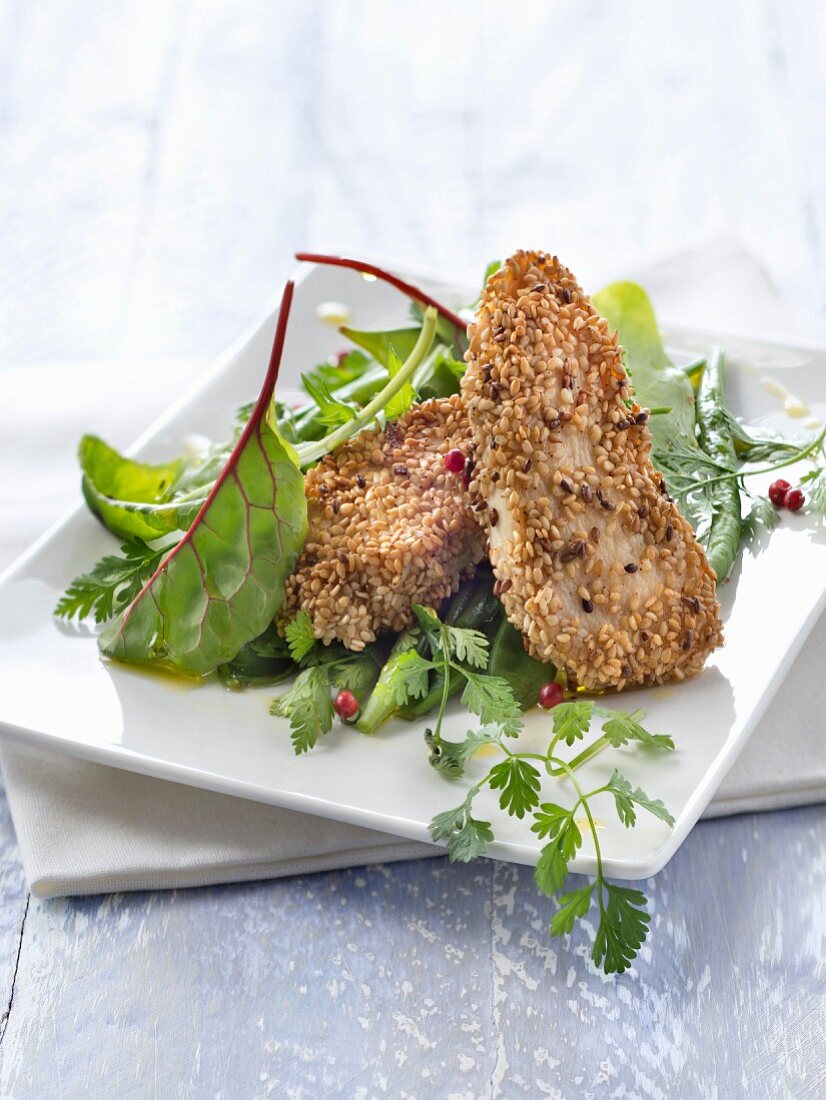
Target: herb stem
581 758
447 664
583 801
798 456
311 452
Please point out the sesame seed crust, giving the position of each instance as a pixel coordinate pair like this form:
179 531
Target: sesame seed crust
596 566
388 526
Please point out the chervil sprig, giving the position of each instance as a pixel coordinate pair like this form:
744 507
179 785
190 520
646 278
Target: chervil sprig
111 584
517 780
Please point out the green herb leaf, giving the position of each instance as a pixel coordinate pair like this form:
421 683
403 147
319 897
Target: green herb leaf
762 516
111 584
467 837
450 757
572 720
571 906
622 728
409 677
549 819
552 867
224 581
300 636
492 699
309 707
331 411
357 673
464 644
815 492
626 797
519 782
622 928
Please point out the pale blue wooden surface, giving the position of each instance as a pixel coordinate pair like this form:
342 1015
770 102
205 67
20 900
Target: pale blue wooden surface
160 164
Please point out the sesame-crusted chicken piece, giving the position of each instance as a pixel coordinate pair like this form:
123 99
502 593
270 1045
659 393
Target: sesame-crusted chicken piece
388 527
594 563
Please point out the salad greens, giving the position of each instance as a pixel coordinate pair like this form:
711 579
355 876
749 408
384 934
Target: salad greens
657 382
223 582
209 540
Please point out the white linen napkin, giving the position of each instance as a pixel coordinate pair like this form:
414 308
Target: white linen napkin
85 828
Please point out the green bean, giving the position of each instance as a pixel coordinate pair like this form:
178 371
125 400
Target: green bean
716 439
381 703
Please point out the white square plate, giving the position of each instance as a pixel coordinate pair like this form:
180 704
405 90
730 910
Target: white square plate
55 691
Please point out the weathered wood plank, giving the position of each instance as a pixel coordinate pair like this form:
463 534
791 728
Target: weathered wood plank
13 902
424 979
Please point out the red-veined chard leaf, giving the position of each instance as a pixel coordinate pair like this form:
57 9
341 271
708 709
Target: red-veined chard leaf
386 276
223 583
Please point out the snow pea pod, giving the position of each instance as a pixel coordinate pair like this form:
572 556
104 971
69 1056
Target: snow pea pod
716 439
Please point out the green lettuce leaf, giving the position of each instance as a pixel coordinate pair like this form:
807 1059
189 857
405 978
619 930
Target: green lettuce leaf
657 382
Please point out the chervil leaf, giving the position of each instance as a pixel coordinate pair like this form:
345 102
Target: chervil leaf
626 796
409 677
445 756
357 673
470 841
466 836
622 928
571 906
552 868
622 728
519 782
110 585
816 491
401 401
447 822
332 411
549 819
300 636
485 735
762 516
492 699
450 757
470 646
308 706
463 643
572 720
